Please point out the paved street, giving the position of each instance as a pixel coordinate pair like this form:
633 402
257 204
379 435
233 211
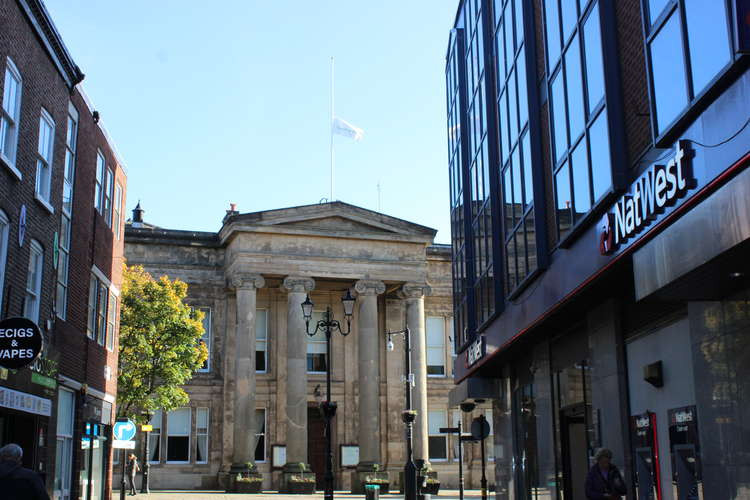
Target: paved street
220 495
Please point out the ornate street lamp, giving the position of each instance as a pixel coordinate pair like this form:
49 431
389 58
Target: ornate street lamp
328 407
408 415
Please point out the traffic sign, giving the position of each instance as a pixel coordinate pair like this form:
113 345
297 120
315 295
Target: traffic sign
124 430
147 428
480 428
119 444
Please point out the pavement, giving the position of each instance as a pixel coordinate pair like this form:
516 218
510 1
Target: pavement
220 495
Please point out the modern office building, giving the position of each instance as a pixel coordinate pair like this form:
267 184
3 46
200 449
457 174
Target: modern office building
250 279
600 203
62 194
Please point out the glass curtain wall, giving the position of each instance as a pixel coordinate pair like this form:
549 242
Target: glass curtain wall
454 78
578 116
690 39
514 144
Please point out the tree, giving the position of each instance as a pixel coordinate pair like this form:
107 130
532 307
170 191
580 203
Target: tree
160 345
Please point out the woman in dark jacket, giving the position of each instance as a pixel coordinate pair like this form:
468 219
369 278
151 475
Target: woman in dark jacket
604 481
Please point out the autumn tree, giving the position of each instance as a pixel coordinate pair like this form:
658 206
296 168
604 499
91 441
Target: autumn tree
160 346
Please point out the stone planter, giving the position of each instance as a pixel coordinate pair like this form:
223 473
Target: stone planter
431 488
300 488
248 486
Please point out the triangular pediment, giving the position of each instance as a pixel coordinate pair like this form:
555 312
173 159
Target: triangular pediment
329 219
335 223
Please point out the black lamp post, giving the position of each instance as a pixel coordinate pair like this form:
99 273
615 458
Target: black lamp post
328 407
408 415
146 452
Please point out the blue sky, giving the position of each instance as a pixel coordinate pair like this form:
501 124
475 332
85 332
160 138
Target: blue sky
215 105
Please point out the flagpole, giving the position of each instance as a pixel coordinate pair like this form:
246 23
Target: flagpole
330 129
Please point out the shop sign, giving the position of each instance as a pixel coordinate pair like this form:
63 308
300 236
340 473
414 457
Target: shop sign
21 401
657 188
475 351
44 372
43 381
20 342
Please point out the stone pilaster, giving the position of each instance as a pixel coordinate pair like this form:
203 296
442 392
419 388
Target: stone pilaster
414 294
369 343
245 286
296 372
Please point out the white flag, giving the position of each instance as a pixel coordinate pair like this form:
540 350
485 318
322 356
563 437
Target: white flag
342 127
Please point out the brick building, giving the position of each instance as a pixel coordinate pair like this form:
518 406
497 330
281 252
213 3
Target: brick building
600 228
62 193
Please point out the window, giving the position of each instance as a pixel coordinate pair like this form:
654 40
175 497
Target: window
44 156
4 236
435 346
316 347
64 448
99 314
578 115
154 438
118 210
201 435
101 166
93 294
63 259
178 436
261 340
34 282
437 442
688 46
10 116
260 447
108 192
519 237
111 319
206 338
101 322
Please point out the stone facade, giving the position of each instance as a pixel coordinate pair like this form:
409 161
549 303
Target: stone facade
253 276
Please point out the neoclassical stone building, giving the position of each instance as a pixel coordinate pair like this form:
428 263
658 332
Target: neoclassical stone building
256 398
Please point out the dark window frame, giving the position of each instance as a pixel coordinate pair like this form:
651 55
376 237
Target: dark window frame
695 100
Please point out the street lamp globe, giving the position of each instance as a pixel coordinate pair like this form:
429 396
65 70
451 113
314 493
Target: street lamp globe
348 302
307 308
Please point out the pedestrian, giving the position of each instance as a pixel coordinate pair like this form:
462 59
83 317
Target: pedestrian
133 469
604 480
17 482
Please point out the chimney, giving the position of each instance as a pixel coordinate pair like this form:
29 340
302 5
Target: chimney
138 215
232 211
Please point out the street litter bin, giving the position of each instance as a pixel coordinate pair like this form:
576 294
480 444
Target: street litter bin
372 492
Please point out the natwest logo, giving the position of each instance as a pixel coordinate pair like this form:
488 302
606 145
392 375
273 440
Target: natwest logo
657 188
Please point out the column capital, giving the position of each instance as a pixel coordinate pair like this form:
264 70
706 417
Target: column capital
243 281
415 290
298 284
369 287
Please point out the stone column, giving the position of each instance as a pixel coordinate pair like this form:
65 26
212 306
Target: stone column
370 339
296 373
413 294
245 286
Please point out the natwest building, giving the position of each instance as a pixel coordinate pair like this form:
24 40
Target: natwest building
598 156
62 193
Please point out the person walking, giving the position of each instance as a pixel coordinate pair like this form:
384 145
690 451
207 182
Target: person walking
17 482
133 469
604 481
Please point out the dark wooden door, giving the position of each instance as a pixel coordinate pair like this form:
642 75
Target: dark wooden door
316 445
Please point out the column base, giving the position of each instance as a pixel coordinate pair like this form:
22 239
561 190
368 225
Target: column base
297 479
369 473
426 482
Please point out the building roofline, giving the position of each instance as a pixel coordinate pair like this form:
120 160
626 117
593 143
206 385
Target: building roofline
112 146
52 41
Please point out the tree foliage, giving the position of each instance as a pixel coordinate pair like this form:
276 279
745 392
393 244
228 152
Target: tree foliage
160 346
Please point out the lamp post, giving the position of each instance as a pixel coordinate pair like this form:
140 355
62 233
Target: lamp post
467 407
328 407
146 428
408 415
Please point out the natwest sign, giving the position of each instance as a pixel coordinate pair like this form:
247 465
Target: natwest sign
658 187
